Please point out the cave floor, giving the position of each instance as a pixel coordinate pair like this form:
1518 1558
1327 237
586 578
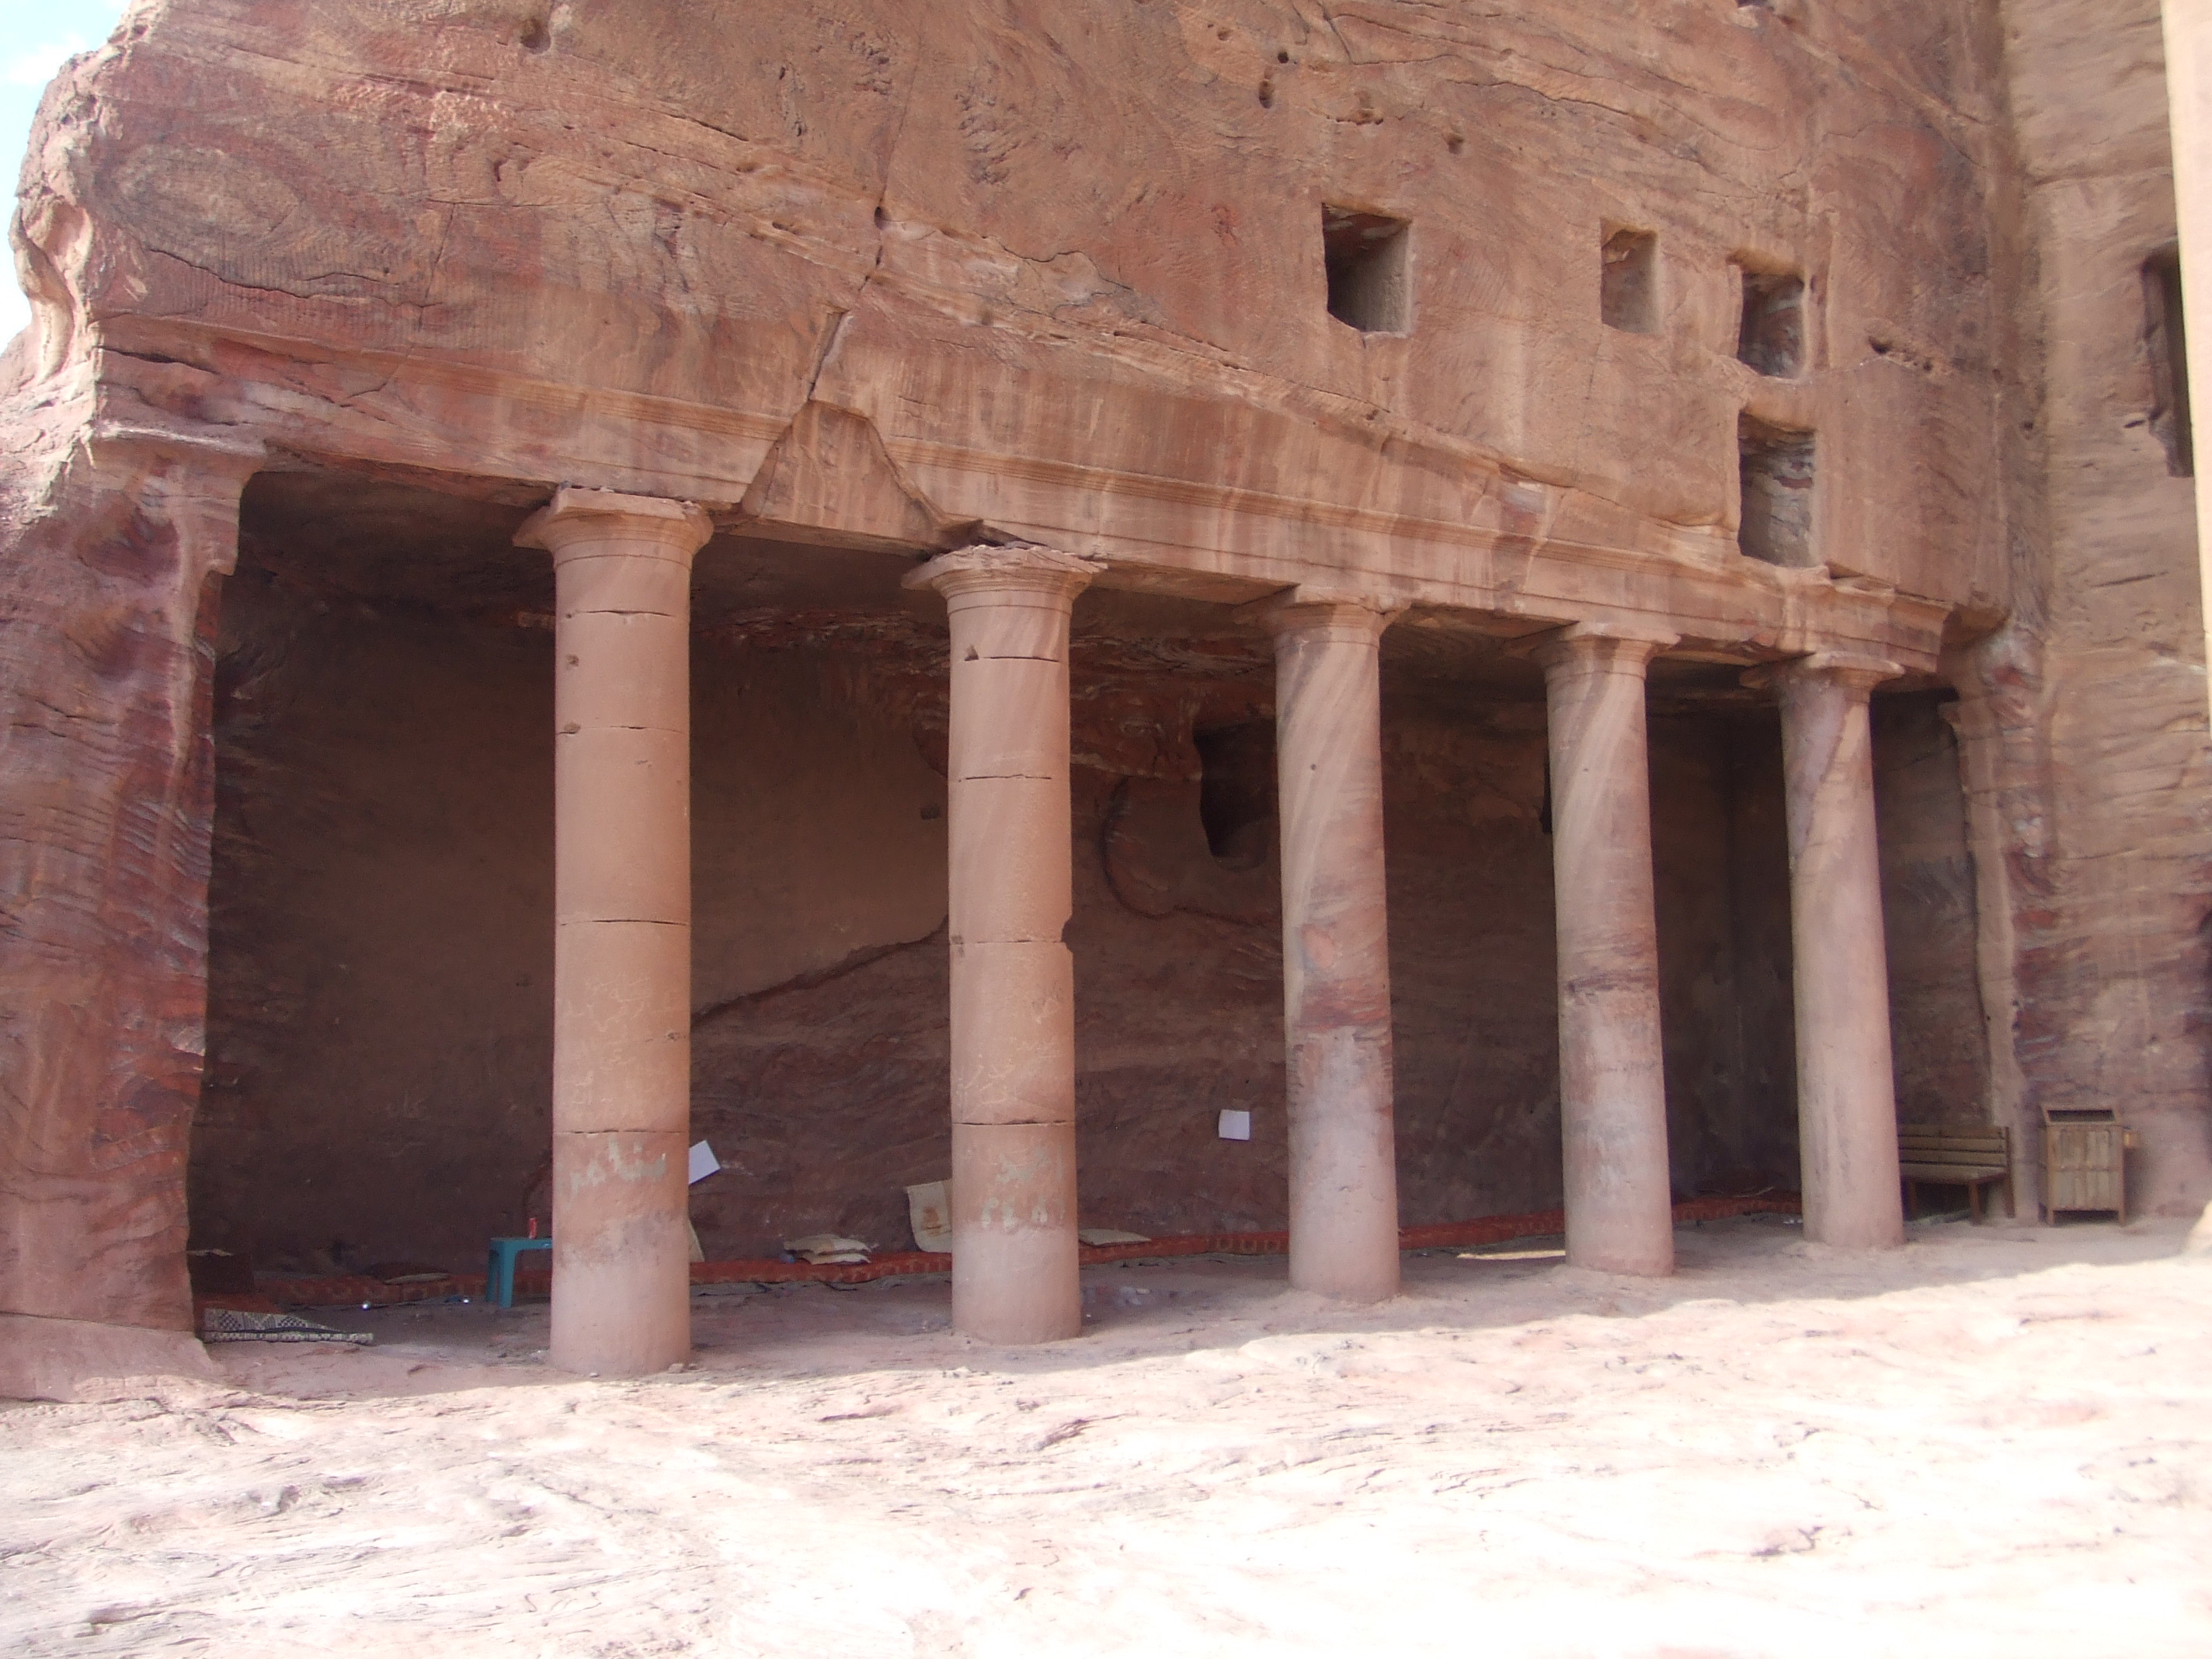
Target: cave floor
1991 1441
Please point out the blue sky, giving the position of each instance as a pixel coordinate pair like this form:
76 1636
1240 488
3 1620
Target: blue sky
35 36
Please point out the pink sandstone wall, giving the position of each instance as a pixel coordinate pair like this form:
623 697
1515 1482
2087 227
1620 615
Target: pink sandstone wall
876 277
510 241
2084 719
379 1044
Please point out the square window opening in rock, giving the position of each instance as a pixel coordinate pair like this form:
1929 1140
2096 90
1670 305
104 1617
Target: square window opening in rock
1368 256
2167 340
1772 338
1777 473
1629 290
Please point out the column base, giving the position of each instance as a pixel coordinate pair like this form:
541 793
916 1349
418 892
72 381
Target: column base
81 1362
1016 1270
1344 1172
1356 1282
1880 1232
1616 1222
1017 1289
622 1255
1643 1261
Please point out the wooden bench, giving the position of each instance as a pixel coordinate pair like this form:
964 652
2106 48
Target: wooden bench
1972 1158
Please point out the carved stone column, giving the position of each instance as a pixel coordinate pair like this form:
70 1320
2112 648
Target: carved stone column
112 563
2002 722
1846 1086
1014 1261
622 963
1613 1085
1336 947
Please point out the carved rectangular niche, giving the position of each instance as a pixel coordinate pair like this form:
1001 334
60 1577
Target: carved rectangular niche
1368 259
1629 295
1773 336
2167 340
1776 466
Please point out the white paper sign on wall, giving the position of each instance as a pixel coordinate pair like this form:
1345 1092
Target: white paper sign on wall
1235 1125
703 1161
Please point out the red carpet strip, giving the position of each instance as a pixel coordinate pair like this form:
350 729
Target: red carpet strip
358 1292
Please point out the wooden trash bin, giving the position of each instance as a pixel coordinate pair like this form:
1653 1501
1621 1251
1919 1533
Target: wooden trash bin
2084 1161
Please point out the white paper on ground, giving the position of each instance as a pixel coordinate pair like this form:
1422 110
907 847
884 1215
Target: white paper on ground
825 1250
703 1161
929 1206
1235 1125
1109 1236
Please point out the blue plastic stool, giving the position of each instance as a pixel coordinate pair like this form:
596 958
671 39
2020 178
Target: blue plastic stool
499 1267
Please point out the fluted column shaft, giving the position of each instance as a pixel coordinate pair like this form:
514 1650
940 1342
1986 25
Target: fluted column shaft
1013 1200
1336 950
1612 1086
1846 1087
622 963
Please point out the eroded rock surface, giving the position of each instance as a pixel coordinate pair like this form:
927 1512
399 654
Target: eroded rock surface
871 281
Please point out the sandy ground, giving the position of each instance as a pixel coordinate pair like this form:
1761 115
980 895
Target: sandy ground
1992 1442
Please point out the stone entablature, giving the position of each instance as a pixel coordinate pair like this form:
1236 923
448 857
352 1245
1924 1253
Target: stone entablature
819 278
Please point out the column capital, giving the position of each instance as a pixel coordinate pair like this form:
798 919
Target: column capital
1343 612
193 477
215 452
1608 646
575 515
1851 670
1012 567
